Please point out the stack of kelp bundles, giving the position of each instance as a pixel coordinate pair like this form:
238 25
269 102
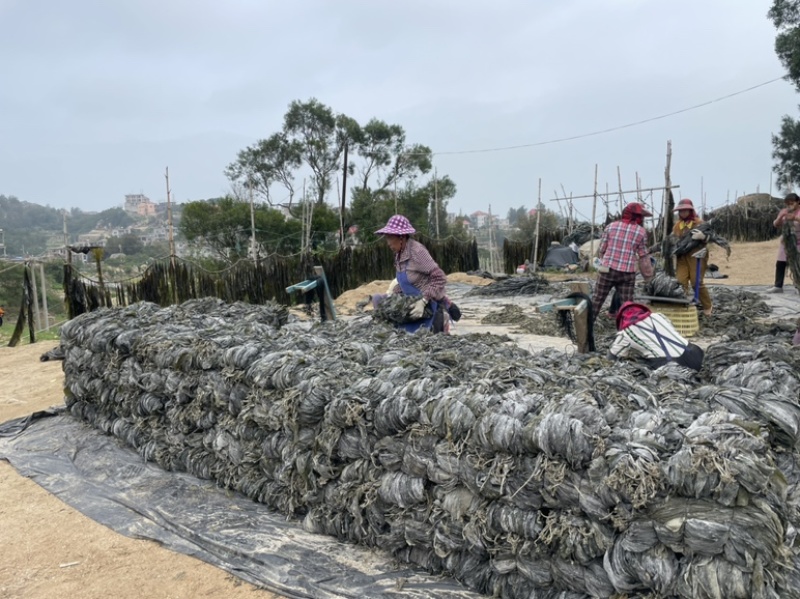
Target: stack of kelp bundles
523 476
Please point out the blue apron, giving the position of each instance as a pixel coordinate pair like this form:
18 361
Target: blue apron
408 289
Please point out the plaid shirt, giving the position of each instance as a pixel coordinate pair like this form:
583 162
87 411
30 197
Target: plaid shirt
421 270
622 244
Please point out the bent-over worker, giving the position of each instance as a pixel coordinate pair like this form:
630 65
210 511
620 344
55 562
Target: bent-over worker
417 275
651 337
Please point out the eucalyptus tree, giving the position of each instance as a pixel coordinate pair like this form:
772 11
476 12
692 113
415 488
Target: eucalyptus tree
785 15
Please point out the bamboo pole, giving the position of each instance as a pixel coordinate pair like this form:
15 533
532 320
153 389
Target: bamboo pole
594 206
44 297
252 222
560 210
173 267
570 220
621 196
627 191
538 222
436 200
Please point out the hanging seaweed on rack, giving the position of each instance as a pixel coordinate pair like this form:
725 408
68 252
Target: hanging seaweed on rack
169 281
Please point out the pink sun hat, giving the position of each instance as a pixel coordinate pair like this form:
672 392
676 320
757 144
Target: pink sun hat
397 225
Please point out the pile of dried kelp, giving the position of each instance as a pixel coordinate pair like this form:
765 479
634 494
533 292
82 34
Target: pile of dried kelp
522 475
741 314
528 284
663 285
396 309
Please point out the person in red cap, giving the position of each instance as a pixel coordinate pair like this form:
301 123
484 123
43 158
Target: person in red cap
417 273
652 337
789 214
686 265
622 247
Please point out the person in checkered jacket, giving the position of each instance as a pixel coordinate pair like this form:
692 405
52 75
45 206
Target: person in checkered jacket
622 247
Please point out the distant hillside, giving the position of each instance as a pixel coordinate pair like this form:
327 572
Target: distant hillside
27 227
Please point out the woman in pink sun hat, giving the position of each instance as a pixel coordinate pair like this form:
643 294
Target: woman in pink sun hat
417 275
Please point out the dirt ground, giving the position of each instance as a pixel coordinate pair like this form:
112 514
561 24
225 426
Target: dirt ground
52 551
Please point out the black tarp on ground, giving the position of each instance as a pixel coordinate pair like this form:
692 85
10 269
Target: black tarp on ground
559 256
111 484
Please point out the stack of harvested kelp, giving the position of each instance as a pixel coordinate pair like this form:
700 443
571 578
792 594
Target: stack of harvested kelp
520 475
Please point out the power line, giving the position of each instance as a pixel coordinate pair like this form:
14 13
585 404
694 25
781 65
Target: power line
610 129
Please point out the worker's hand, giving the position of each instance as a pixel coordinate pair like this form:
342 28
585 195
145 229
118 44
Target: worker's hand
698 235
418 309
392 285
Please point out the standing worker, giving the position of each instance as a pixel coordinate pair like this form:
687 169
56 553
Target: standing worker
789 214
686 266
417 275
623 245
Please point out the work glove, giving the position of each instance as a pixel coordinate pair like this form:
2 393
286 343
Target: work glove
418 309
392 285
698 235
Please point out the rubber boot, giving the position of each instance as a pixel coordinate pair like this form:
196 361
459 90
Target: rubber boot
780 273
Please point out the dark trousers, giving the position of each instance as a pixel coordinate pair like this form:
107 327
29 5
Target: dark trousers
692 357
623 282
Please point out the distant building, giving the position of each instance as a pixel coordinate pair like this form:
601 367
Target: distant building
139 204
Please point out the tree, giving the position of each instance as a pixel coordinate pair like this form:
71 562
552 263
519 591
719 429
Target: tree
314 126
526 225
515 214
785 15
268 161
222 224
786 152
385 167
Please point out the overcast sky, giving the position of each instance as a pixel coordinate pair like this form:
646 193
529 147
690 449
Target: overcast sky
97 97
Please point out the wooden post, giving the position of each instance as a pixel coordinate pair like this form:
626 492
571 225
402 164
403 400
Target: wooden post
37 317
97 252
621 197
341 214
666 209
538 221
67 251
44 298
